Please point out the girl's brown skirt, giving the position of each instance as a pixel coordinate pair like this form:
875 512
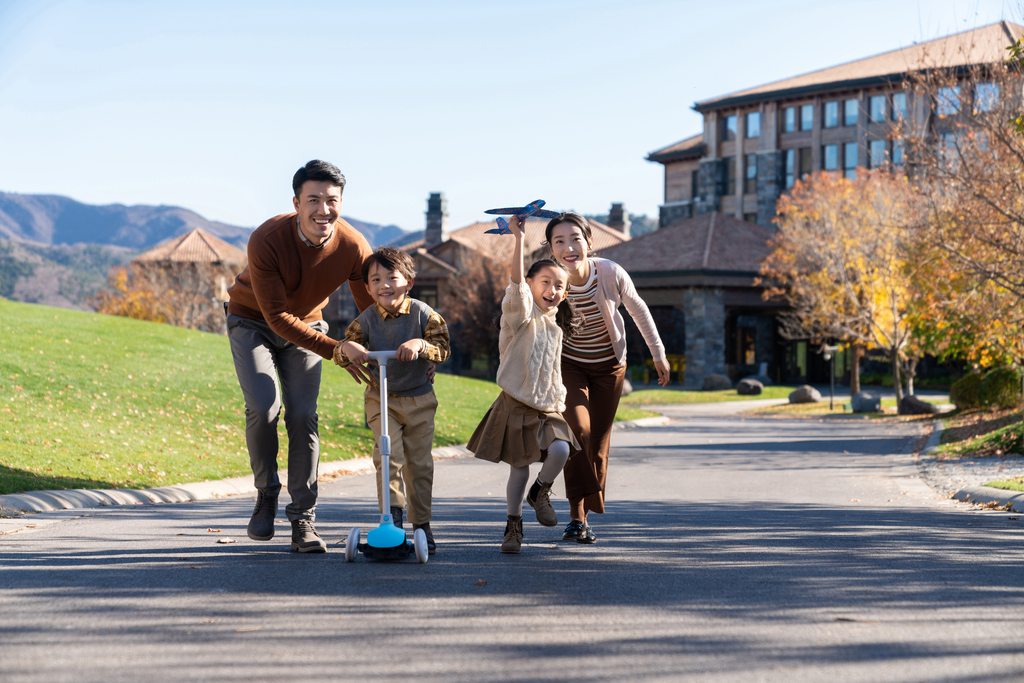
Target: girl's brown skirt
518 434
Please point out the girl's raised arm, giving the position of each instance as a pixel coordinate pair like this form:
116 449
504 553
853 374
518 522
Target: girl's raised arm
517 254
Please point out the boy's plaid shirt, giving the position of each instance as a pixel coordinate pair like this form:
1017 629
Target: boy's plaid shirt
436 349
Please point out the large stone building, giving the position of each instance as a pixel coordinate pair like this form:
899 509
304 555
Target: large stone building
702 263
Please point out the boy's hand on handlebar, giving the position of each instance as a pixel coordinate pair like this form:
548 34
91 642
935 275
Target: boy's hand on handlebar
356 353
410 350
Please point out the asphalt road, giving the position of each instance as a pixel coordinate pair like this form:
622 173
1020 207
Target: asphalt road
734 548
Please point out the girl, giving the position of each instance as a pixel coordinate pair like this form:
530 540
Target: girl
524 425
594 362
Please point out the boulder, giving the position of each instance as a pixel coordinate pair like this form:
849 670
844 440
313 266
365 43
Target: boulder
765 380
717 383
749 387
627 387
866 402
805 394
912 405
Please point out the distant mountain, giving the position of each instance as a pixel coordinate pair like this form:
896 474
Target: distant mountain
52 219
375 233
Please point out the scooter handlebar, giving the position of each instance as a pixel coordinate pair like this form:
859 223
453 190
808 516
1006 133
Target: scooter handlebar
382 357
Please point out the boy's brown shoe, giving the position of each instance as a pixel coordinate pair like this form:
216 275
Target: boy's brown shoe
513 540
305 539
541 504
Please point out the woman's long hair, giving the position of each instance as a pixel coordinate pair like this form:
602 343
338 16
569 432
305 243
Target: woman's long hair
567 318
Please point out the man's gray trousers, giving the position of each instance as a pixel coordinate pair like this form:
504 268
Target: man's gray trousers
261 358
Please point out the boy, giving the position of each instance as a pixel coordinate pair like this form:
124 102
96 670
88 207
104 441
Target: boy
420 336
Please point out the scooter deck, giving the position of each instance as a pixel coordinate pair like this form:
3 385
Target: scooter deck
399 552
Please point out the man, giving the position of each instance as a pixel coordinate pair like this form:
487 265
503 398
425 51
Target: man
276 331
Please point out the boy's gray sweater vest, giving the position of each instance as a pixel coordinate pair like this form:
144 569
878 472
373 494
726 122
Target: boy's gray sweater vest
408 377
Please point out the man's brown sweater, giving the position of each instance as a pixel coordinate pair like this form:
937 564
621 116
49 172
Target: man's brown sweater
287 282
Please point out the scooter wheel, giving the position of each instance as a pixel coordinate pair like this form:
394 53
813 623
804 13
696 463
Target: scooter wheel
419 544
351 544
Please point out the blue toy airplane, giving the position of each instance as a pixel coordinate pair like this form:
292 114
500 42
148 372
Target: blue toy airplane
521 212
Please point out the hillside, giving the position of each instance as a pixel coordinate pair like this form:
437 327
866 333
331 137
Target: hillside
65 275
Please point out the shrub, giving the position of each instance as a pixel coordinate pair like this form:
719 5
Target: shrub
964 392
1000 388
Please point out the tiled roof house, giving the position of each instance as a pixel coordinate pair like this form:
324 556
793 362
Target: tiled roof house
755 143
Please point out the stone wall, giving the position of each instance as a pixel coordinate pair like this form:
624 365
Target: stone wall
670 214
771 170
711 184
705 335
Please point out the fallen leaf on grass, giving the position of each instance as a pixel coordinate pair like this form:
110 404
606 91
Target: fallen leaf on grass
212 530
226 540
481 582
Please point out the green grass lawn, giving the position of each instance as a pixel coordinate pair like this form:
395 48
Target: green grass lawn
96 401
647 397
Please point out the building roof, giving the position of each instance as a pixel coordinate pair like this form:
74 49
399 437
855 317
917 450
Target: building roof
195 246
984 45
499 247
712 243
690 148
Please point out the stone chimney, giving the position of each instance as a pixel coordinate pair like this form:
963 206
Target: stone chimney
437 220
618 219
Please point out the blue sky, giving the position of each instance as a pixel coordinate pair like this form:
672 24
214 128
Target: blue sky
213 105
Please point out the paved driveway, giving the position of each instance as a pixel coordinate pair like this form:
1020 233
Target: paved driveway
734 548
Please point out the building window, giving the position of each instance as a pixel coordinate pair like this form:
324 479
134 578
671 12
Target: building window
949 151
694 181
899 106
730 176
947 102
750 181
729 128
427 295
750 217
986 96
850 159
876 108
831 119
753 124
789 120
807 117
830 157
876 153
851 111
897 152
790 167
805 162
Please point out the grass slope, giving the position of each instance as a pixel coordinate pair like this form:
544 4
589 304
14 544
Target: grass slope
95 401
89 400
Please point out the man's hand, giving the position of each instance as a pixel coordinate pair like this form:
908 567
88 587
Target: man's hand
410 350
359 373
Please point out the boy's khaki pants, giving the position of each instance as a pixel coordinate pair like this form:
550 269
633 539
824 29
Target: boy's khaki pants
411 428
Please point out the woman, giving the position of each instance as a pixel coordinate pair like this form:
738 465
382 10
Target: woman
594 362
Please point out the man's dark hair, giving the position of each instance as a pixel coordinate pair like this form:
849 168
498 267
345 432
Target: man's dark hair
317 170
389 259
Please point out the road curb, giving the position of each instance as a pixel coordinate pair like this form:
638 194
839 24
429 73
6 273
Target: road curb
985 495
656 421
906 473
16 504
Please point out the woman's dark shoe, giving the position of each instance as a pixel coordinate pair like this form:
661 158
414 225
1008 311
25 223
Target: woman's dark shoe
573 530
587 536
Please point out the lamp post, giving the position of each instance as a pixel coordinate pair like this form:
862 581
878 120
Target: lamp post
829 354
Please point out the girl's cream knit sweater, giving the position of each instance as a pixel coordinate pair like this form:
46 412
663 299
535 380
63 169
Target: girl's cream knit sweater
530 344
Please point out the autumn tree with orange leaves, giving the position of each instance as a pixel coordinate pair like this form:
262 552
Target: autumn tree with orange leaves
840 258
